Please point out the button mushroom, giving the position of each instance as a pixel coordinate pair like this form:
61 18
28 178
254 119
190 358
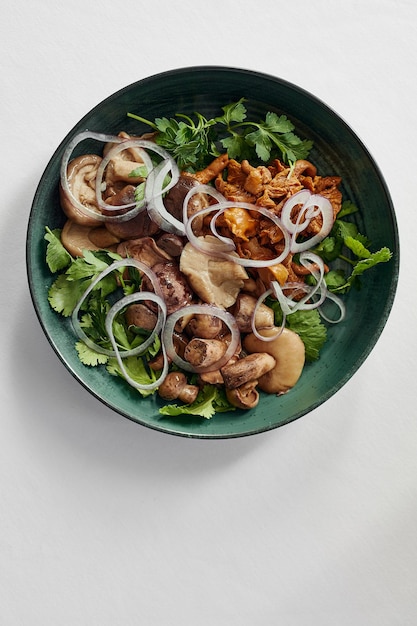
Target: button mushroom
244 397
205 326
244 310
176 386
204 353
143 249
289 353
215 280
247 369
141 316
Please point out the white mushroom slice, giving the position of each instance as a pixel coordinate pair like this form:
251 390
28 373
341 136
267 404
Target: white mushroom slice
215 280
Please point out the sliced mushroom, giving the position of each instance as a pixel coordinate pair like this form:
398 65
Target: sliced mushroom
215 280
176 386
143 249
77 237
289 353
81 175
247 369
171 244
244 397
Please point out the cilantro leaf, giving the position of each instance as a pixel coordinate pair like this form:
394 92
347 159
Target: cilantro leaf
57 257
137 370
209 401
88 356
381 256
307 324
64 295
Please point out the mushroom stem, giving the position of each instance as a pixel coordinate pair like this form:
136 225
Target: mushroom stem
245 370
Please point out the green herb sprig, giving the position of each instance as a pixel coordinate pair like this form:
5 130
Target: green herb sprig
194 141
347 244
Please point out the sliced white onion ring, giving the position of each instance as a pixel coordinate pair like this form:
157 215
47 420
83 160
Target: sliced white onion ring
130 210
115 309
155 190
255 331
111 268
200 309
313 205
339 303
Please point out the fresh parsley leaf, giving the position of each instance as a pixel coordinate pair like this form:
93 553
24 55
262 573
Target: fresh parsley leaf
351 247
194 140
348 208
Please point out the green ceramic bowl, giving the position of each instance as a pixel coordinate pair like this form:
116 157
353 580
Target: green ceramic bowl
337 150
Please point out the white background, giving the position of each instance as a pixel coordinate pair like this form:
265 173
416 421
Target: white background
104 522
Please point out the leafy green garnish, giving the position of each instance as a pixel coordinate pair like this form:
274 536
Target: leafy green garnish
210 400
137 369
307 324
193 142
347 244
57 257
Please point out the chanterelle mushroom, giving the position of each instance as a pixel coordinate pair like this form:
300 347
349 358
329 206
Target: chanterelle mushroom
215 280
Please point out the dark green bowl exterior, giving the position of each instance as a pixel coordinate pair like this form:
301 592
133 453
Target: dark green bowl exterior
337 150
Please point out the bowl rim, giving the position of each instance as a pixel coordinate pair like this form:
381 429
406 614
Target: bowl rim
385 311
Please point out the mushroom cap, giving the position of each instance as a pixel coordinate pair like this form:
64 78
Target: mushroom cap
215 280
289 352
78 237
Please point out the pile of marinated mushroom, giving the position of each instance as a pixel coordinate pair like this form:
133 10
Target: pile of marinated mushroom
265 357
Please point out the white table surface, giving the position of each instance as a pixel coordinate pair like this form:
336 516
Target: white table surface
104 522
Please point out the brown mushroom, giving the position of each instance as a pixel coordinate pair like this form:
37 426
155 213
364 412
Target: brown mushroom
174 287
141 316
243 312
203 353
171 244
205 326
247 369
81 176
214 280
76 238
143 249
244 397
176 386
289 353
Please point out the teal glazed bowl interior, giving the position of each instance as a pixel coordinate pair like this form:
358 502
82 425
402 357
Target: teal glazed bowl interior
337 150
